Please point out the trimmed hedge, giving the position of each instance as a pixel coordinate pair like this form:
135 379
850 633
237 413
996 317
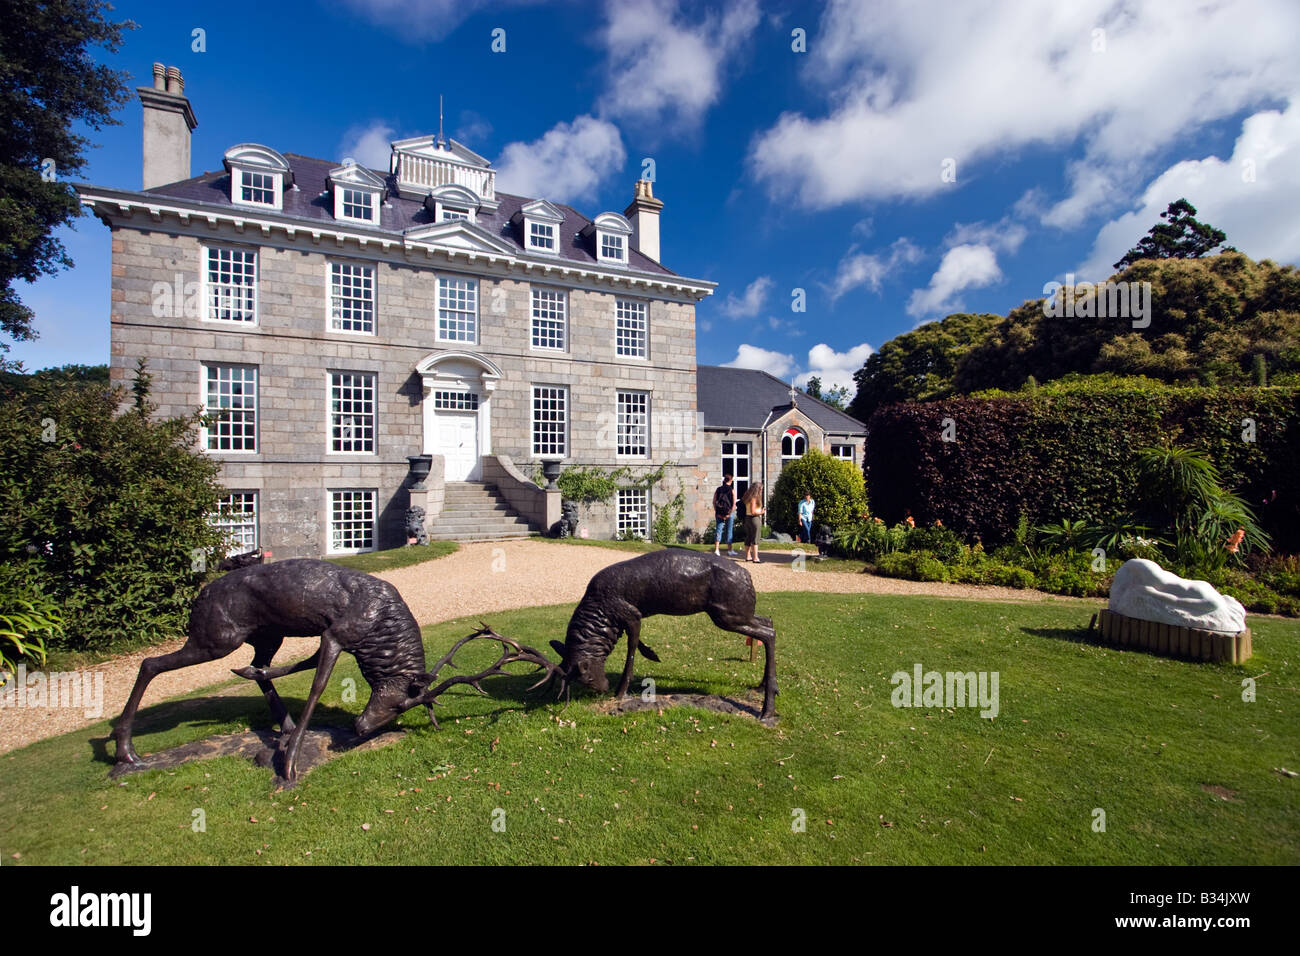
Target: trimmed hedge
1067 453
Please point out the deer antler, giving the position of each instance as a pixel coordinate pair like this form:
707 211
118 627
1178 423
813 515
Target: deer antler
512 652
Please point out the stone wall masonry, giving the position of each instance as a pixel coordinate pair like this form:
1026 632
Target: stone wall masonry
156 313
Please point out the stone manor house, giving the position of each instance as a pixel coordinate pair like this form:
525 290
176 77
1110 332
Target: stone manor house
354 326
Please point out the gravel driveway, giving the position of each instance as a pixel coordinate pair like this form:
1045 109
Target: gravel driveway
478 579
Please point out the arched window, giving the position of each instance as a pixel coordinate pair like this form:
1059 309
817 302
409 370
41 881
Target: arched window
793 443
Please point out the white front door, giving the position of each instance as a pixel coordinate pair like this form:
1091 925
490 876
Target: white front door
458 444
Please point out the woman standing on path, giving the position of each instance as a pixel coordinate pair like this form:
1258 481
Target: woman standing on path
751 502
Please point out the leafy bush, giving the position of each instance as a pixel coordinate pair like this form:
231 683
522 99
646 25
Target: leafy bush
912 565
105 510
28 620
1070 453
869 538
836 485
668 519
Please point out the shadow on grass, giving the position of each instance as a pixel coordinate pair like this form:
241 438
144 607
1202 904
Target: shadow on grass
1073 635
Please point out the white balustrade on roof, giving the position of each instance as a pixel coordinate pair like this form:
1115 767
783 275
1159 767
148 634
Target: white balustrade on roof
425 172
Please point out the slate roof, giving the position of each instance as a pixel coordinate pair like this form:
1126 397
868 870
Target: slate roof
311 202
743 397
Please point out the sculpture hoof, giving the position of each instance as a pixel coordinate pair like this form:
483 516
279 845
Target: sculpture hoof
248 673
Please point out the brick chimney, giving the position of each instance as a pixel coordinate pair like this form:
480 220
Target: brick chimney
643 213
168 122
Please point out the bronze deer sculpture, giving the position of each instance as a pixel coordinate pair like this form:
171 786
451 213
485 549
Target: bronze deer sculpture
673 581
262 604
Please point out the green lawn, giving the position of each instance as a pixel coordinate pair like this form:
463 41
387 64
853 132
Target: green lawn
1080 727
375 561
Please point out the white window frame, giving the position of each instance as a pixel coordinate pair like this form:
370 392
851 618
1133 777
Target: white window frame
247 519
622 240
732 458
331 415
473 285
205 268
442 209
330 317
207 435
340 203
801 434
237 186
530 240
621 305
533 421
373 494
852 455
626 401
641 502
561 301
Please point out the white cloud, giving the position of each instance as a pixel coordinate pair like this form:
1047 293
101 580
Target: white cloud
567 164
751 300
835 369
416 20
473 129
914 82
1261 218
869 269
666 67
369 144
1004 235
962 267
751 356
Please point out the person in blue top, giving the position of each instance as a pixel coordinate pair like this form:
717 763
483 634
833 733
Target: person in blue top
806 508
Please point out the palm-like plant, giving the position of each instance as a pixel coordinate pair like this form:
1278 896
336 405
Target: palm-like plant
1182 489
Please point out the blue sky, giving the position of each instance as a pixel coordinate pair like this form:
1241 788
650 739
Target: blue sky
918 159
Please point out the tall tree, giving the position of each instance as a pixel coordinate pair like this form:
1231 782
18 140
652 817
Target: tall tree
48 82
918 365
1180 236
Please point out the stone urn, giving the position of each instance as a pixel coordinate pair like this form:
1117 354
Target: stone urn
551 468
420 465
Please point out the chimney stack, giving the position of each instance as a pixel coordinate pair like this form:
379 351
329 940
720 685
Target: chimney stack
168 122
643 213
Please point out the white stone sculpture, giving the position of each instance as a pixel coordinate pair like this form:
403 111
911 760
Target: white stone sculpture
1144 590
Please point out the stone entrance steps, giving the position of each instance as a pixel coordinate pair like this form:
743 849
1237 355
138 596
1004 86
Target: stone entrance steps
474 511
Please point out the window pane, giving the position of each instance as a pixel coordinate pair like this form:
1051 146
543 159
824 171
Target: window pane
232 285
352 412
549 308
550 421
352 520
352 298
232 391
630 322
634 423
457 310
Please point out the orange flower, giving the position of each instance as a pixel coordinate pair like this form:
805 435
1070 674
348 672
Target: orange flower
878 521
910 522
938 523
1235 540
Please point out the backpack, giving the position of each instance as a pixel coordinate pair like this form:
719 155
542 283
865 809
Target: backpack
723 499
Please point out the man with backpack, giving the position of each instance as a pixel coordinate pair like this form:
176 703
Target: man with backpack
724 511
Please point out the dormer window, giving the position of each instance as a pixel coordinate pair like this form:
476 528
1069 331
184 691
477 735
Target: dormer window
541 235
359 204
258 176
609 236
258 188
453 202
540 223
613 247
357 193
